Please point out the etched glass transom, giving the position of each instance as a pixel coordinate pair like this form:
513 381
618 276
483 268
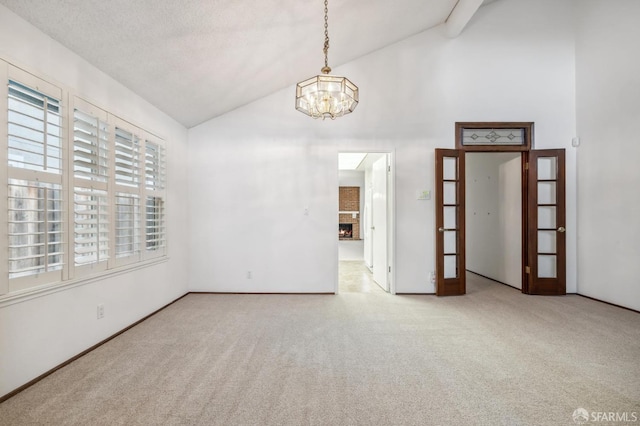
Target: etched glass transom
513 136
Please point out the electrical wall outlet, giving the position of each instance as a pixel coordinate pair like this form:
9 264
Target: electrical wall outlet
249 275
432 276
100 311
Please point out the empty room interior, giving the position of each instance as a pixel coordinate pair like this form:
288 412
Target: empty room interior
345 212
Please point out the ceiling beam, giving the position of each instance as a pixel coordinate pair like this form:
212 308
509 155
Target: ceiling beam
460 17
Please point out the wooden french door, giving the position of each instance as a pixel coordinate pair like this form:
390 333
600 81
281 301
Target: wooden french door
545 270
544 249
450 215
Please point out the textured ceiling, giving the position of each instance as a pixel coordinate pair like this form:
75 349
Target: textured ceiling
197 59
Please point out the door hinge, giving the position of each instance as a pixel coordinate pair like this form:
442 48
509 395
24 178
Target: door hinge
527 270
389 269
389 169
526 166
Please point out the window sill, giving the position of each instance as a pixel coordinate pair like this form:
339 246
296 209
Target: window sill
45 290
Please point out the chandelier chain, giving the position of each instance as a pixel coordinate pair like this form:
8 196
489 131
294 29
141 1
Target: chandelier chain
326 33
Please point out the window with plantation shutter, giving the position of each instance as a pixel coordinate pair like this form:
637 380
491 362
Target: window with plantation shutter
154 232
91 166
35 228
154 185
90 147
84 190
35 231
91 227
128 173
154 166
34 130
127 158
127 225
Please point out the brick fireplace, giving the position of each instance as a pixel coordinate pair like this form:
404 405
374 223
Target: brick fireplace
349 206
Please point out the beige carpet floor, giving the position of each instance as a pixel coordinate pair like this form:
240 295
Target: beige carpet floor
492 357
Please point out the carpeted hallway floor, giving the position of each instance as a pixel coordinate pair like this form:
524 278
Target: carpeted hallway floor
492 357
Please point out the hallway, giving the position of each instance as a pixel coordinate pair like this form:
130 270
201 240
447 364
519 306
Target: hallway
353 275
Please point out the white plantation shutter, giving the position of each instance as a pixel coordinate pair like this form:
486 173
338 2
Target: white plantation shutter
35 244
127 235
154 166
91 231
128 175
127 158
35 228
154 228
90 147
155 176
79 184
91 167
34 130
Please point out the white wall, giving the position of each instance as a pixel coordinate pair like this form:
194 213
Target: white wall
608 115
493 216
256 168
39 333
482 222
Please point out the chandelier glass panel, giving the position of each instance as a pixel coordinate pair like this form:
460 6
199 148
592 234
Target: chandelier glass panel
326 95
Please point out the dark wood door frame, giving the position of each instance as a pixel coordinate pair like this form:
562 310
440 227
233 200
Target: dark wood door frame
529 237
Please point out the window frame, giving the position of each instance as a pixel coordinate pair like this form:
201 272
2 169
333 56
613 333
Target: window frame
29 175
72 273
76 183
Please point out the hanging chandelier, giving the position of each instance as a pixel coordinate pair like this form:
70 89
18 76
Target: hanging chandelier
326 95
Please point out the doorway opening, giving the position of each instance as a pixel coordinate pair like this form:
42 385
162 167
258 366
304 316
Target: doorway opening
543 212
493 213
365 223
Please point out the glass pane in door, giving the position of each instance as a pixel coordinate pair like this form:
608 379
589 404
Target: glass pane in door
451 266
546 192
546 241
547 266
449 171
450 217
450 245
449 190
546 217
547 168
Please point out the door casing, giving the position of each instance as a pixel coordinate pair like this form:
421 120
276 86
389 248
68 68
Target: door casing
391 225
529 230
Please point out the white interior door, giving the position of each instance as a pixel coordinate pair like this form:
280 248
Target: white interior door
379 222
367 223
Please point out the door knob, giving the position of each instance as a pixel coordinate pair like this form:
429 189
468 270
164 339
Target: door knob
441 229
561 229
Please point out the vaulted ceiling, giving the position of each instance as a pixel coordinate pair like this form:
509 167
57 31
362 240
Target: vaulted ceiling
197 59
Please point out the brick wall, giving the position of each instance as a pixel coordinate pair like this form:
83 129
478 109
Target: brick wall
349 200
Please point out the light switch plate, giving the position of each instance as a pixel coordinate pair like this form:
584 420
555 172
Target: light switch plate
423 194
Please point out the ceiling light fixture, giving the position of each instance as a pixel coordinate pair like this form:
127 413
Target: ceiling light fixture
326 95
